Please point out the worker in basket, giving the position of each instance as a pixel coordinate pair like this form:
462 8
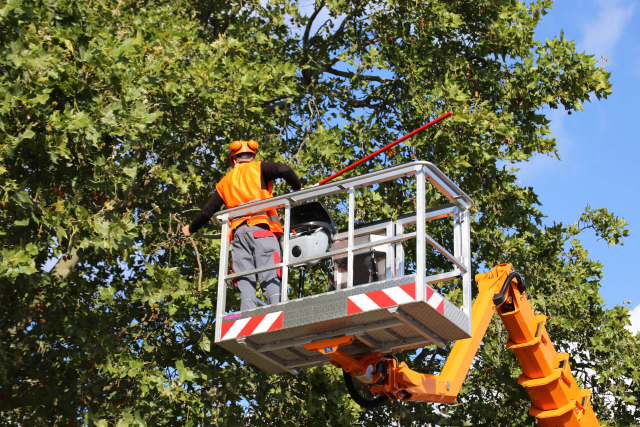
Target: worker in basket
254 239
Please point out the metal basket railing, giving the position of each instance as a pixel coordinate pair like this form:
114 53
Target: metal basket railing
459 208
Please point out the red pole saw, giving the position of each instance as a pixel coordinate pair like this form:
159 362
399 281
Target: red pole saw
386 147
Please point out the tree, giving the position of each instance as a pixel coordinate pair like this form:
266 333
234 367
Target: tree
116 118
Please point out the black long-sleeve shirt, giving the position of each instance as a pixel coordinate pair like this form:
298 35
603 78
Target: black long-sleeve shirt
268 172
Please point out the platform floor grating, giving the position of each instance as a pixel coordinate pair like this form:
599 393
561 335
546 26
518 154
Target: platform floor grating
324 316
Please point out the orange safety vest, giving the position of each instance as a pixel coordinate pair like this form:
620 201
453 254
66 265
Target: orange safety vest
243 185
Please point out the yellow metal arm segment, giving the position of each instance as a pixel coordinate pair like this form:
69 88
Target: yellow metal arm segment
557 399
446 386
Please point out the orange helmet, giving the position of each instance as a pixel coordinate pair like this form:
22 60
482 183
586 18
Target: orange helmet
238 147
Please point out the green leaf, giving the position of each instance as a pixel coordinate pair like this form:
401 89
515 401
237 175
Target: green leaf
69 45
205 344
23 199
131 171
125 421
22 222
27 134
185 374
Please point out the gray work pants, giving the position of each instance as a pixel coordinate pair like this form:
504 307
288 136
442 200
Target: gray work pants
254 247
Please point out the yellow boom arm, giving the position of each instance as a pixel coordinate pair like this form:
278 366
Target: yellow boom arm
557 399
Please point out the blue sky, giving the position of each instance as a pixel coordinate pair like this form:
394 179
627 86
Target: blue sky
599 147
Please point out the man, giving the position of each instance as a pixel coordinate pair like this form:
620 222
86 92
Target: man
254 240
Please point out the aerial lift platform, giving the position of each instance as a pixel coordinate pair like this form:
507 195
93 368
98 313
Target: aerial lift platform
355 324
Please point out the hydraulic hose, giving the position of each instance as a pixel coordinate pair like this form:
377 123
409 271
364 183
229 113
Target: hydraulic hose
500 298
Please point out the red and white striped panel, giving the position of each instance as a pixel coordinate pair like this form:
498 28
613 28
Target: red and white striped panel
380 299
390 297
435 300
251 325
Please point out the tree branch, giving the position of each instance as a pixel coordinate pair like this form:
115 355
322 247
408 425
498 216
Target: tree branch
365 103
317 34
406 414
355 103
207 14
65 266
266 104
307 30
344 22
348 75
199 265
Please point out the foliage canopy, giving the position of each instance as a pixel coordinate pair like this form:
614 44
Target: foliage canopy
116 115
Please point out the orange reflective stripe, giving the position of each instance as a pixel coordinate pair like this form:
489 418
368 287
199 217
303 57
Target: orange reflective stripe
243 185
